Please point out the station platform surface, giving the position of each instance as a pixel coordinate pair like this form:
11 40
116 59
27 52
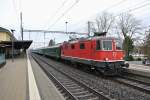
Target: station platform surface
23 79
13 80
139 69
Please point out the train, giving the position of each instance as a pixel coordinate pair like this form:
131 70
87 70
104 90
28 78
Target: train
99 53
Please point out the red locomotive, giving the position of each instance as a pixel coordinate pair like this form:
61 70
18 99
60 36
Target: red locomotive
100 53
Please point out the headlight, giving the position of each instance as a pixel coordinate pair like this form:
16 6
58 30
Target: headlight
106 59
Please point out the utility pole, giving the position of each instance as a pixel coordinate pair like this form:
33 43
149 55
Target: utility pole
66 26
21 28
89 28
12 47
44 39
29 35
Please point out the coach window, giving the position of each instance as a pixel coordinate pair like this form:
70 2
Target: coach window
107 45
72 46
98 45
82 46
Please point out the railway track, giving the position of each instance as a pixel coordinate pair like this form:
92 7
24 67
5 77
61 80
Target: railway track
135 81
115 89
71 88
138 78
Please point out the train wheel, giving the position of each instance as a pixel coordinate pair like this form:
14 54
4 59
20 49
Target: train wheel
96 72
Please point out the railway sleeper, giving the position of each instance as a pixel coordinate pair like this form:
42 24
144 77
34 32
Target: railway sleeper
78 89
75 87
80 92
86 96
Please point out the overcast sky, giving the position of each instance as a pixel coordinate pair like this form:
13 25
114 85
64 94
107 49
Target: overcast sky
52 15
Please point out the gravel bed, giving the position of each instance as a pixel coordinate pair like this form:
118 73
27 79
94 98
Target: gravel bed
113 89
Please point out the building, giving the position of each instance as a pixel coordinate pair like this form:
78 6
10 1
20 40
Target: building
5 35
6 38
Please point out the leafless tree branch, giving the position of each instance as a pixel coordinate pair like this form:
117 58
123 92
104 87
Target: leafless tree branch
128 24
103 23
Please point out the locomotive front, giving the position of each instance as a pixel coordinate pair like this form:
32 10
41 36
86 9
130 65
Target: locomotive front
109 55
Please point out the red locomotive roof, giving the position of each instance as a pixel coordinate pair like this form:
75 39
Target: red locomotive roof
90 38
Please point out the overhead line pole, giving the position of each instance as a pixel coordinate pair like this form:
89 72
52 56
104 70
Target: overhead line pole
29 35
89 28
66 26
12 46
21 28
44 39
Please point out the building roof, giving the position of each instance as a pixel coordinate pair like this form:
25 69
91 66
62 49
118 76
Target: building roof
7 31
4 30
17 44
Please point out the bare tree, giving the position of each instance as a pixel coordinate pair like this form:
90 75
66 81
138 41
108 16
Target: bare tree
51 42
103 22
146 46
128 24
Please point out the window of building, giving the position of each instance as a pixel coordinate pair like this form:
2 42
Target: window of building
98 45
82 46
72 46
107 45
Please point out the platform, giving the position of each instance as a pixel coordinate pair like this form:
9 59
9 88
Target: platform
46 88
139 69
13 80
23 79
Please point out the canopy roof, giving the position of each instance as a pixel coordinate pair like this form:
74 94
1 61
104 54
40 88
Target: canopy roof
17 44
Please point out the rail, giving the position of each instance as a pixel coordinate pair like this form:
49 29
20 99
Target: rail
73 83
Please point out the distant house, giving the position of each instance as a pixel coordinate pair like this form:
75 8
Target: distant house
138 53
5 34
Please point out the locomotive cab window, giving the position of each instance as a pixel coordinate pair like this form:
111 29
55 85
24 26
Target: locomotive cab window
72 46
82 46
66 46
107 45
118 45
98 45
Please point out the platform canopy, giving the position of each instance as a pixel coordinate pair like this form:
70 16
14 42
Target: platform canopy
17 44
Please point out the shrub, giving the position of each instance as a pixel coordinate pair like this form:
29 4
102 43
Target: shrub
129 58
138 59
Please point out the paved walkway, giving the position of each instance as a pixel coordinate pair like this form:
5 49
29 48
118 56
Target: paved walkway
23 79
139 69
13 80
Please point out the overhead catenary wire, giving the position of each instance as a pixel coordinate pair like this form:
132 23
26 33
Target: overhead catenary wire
114 5
57 10
128 10
65 12
139 7
133 9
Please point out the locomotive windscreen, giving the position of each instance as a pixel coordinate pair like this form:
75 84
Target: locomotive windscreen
118 45
107 44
